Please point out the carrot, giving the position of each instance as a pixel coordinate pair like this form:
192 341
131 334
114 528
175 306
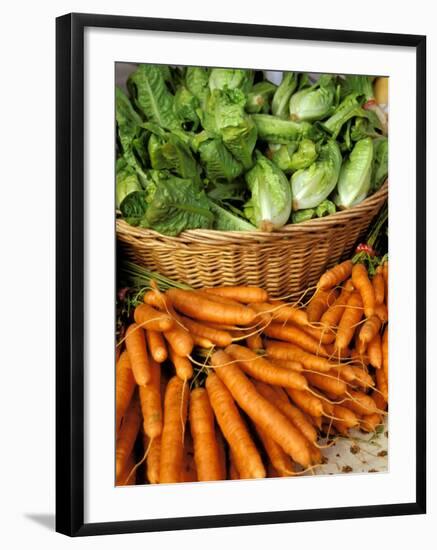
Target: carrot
124 387
260 369
245 294
153 459
336 353
360 403
345 372
385 275
152 319
380 402
382 383
206 452
374 351
150 399
221 452
281 311
233 472
157 299
369 330
125 478
293 365
189 472
295 335
271 471
221 338
234 428
378 287
349 320
327 383
182 365
290 352
156 346
201 342
126 436
278 397
322 335
216 298
333 314
370 422
180 340
198 307
348 417
254 342
335 275
382 312
319 303
362 377
280 461
137 351
307 402
384 349
261 411
172 437
361 282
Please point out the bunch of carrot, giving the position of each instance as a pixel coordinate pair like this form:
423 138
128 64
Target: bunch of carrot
225 383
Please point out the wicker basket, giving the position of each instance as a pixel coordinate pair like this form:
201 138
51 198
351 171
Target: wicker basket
284 262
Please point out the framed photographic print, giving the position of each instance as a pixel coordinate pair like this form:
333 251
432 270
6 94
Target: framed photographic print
240 274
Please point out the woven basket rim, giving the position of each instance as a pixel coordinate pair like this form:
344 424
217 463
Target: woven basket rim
214 235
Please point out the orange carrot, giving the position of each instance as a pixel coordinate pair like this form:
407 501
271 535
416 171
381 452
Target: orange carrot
150 399
382 312
385 275
189 472
330 384
126 436
198 307
281 462
333 314
336 353
152 319
180 340
137 350
348 417
360 280
182 365
158 300
290 352
153 460
362 377
349 321
125 478
206 451
370 422
382 383
221 338
319 303
260 369
360 403
278 397
293 365
369 330
234 428
380 402
201 342
245 294
384 349
124 387
254 342
322 335
374 351
233 472
156 345
295 335
335 275
172 437
261 411
378 287
281 311
221 452
307 402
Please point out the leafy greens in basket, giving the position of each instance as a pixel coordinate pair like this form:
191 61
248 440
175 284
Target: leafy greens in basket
226 149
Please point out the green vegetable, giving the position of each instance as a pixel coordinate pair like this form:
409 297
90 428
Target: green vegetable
325 208
152 97
171 153
227 221
295 156
126 181
303 215
270 204
281 154
196 80
283 93
259 97
355 175
360 85
186 105
222 79
277 130
380 163
229 191
313 103
170 205
218 162
314 184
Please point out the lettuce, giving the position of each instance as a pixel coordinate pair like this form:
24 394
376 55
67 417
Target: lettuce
355 176
218 162
224 220
126 181
258 99
222 79
283 93
277 130
315 102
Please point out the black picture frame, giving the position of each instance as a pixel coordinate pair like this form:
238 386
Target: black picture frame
70 277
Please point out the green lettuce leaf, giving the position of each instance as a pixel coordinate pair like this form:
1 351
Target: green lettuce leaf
126 181
151 96
303 215
259 97
224 220
218 162
185 106
230 79
283 93
380 163
277 130
196 80
325 208
315 102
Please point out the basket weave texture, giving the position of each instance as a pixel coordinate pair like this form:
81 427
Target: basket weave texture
284 262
